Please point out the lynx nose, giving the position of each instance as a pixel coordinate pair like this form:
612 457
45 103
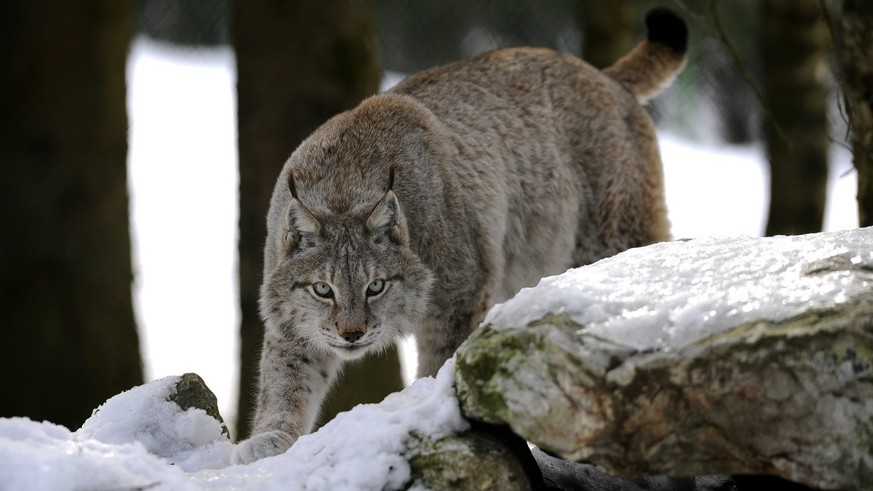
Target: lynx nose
351 332
352 336
352 325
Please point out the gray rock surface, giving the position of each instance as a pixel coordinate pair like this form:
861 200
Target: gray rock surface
716 356
567 475
192 391
471 460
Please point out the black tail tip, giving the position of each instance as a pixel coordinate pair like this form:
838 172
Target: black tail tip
667 28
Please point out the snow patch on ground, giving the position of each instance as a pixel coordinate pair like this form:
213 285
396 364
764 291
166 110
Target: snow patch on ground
139 440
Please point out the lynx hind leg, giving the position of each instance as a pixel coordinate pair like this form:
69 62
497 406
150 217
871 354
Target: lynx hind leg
630 209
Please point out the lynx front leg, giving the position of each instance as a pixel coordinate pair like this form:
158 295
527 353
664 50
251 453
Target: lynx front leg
441 334
439 338
434 349
293 383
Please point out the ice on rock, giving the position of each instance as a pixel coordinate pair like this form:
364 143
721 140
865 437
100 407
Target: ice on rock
686 290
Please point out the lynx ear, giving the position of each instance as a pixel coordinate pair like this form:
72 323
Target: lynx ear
301 225
386 221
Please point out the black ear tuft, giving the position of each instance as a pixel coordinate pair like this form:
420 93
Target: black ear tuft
291 186
390 177
666 27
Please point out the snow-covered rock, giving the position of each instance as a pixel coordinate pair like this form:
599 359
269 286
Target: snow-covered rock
139 439
151 415
711 356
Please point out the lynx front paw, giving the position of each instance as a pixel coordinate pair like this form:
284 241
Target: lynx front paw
262 445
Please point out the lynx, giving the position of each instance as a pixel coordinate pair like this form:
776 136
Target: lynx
424 206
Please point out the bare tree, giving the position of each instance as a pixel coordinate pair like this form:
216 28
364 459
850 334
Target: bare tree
794 54
857 46
68 339
298 63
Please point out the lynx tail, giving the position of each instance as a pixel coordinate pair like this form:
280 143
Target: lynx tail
653 64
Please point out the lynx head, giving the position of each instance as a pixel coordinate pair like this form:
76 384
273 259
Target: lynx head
345 283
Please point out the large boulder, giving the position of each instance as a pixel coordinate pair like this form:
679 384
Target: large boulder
715 356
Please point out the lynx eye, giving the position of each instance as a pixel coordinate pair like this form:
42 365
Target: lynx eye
375 287
323 290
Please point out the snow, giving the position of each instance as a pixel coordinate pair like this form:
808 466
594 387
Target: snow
704 181
45 456
139 440
691 289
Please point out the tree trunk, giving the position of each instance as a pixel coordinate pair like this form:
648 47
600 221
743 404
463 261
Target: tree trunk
68 339
857 42
298 63
794 50
608 29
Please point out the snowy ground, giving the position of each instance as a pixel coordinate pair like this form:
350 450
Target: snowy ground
139 440
183 182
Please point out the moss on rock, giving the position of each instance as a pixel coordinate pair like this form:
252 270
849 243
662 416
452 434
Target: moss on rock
470 460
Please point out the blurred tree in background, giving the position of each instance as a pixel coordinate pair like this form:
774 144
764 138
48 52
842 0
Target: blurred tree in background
298 64
187 23
718 79
608 30
68 339
418 35
796 48
858 51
